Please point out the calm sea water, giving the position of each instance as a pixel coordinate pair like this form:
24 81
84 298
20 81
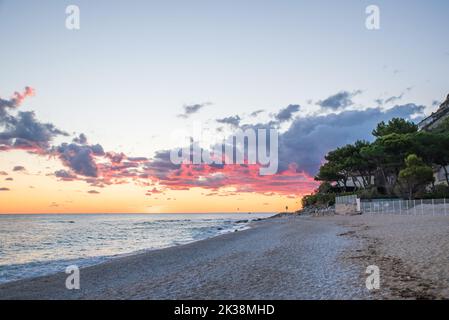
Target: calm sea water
34 245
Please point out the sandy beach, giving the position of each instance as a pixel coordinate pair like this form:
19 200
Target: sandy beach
411 251
280 258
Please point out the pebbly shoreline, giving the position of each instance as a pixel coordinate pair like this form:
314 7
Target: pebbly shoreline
288 257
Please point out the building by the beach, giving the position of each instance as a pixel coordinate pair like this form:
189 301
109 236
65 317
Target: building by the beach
436 118
430 123
427 124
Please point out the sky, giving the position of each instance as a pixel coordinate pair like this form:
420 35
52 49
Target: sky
136 71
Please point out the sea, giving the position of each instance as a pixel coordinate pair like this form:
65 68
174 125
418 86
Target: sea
35 245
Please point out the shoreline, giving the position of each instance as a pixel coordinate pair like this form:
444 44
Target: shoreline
289 257
238 225
257 263
242 224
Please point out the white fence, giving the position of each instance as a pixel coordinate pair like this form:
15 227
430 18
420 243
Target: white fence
351 199
406 207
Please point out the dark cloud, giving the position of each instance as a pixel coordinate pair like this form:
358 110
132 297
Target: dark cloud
217 180
308 140
232 120
25 131
301 149
137 159
65 175
116 157
18 168
4 189
15 101
256 113
379 102
393 99
192 109
81 139
286 114
342 99
80 158
160 165
3 173
6 104
9 179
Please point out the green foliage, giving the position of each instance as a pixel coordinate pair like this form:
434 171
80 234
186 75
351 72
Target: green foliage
440 191
395 125
325 187
401 159
433 148
329 171
318 199
346 163
415 175
324 196
370 193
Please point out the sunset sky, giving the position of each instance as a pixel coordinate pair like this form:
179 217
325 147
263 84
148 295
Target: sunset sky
87 116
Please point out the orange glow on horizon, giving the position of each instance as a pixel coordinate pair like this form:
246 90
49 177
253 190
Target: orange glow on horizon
37 191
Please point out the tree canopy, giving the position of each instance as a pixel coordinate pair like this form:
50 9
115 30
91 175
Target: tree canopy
399 162
415 175
395 125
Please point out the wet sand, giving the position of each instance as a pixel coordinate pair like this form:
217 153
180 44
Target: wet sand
280 258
